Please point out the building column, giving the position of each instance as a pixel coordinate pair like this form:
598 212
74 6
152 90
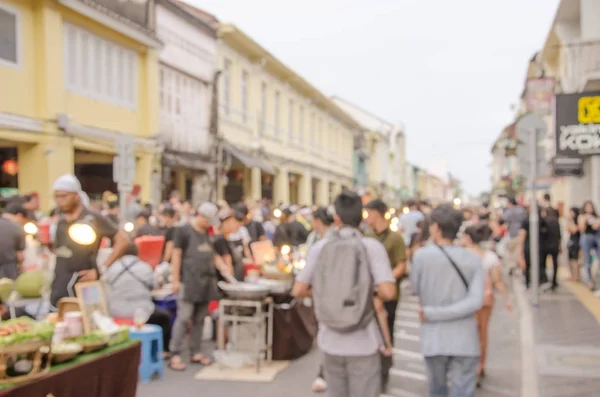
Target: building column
179 182
144 167
41 164
335 191
595 180
305 193
256 184
323 192
281 193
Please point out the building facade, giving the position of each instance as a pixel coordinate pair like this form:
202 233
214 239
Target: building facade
81 75
386 150
280 137
188 62
571 55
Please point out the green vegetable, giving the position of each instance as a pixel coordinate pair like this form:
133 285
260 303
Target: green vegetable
93 337
29 284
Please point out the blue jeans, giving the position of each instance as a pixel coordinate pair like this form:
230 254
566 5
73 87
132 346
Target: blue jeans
460 370
589 242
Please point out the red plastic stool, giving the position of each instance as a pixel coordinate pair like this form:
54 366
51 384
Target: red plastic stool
213 306
123 321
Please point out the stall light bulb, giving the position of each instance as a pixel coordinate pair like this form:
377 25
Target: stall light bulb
285 250
392 211
387 216
277 213
129 227
299 265
405 210
30 228
457 201
82 234
394 227
365 214
395 221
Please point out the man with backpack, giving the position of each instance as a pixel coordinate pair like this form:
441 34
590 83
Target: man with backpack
343 272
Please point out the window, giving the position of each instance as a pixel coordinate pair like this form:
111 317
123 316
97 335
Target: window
276 112
10 38
263 106
291 120
226 85
301 124
99 69
244 96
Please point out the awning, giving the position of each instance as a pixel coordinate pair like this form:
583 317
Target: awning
248 160
186 160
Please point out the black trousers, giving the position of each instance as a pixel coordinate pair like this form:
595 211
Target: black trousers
543 278
162 318
554 255
390 308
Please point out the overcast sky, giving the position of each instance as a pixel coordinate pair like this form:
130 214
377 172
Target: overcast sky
448 70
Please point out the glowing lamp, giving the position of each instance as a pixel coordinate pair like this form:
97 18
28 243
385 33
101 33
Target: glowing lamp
11 167
457 201
405 210
394 227
365 214
30 228
277 213
392 211
387 216
82 234
285 250
128 227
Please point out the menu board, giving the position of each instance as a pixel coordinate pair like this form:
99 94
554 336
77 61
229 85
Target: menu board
263 252
91 298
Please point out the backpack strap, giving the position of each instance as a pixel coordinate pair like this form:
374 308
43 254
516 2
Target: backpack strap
460 273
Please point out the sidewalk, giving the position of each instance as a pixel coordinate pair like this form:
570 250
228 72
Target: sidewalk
503 377
567 335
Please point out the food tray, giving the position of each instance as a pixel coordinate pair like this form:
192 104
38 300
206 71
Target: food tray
93 346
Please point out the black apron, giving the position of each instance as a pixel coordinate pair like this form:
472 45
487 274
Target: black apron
237 259
198 271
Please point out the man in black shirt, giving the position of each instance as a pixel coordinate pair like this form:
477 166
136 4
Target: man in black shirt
12 239
143 226
255 229
76 261
167 229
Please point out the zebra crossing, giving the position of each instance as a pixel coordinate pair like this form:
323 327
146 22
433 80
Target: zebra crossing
407 376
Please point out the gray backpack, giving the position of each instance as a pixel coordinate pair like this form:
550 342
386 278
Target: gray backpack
343 285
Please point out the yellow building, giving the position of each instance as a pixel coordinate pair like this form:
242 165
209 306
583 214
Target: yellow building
284 140
75 77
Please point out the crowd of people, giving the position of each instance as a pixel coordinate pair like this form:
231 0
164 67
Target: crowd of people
453 259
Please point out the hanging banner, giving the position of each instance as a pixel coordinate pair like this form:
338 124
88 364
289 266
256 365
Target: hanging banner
539 94
577 121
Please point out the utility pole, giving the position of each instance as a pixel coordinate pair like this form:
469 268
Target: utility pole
531 130
124 171
217 146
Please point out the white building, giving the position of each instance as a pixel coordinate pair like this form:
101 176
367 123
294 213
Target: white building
571 54
187 66
387 147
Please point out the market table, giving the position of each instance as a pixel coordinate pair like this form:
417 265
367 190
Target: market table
112 372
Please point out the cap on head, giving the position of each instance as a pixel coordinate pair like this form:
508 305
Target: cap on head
226 214
67 183
208 210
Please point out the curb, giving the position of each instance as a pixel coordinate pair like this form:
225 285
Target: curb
529 375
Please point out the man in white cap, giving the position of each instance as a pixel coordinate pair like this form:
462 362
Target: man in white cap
194 269
75 261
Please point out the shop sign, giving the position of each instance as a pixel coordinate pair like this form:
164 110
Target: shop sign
539 94
577 120
567 166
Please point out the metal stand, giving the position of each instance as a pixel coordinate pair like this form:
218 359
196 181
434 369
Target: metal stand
257 313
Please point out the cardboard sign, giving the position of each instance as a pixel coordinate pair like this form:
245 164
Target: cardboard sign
91 298
263 252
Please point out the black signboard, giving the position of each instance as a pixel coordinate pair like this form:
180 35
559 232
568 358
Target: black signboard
567 166
577 121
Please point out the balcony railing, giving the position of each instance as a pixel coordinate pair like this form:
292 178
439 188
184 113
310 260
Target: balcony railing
580 62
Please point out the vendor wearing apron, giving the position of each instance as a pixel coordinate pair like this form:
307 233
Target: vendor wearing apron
76 262
194 281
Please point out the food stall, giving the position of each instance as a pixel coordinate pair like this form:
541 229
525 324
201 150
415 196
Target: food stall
293 325
34 361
